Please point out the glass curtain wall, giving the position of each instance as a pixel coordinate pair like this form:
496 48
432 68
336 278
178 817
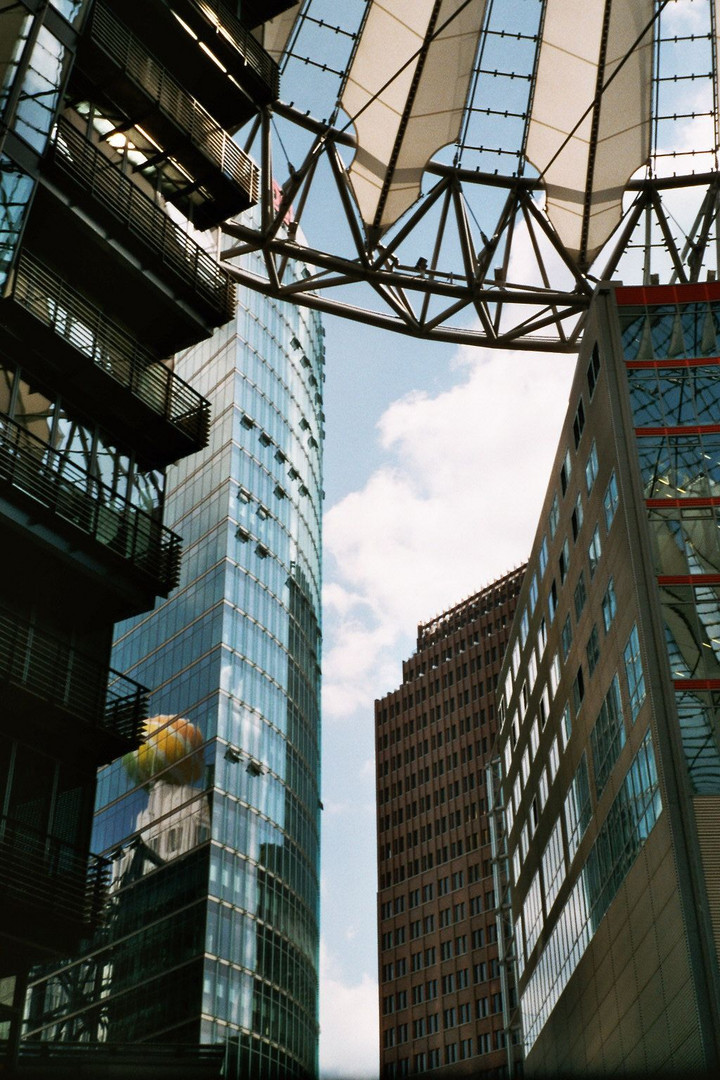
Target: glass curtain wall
213 824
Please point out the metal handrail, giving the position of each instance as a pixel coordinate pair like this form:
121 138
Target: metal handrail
129 53
55 671
219 15
38 470
99 176
48 297
41 870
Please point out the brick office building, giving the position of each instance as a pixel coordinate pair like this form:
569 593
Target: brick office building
439 974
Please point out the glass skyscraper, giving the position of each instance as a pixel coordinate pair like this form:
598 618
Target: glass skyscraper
213 824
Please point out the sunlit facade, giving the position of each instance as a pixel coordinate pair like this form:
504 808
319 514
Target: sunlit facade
213 825
609 740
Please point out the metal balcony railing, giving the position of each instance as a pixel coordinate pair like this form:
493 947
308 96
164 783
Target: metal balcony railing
41 871
73 318
54 671
128 53
252 52
123 200
31 466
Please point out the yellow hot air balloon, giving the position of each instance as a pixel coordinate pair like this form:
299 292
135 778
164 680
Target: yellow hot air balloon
167 750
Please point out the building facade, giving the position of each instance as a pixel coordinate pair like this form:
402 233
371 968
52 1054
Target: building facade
212 826
608 707
441 985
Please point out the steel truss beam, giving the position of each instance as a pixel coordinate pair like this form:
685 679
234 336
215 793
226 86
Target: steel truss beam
497 274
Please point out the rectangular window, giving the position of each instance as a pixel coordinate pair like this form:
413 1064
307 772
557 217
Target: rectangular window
431 986
533 593
593 370
594 551
543 787
534 737
554 515
541 638
543 556
566 727
524 627
533 913
566 637
580 596
555 674
552 601
565 472
532 669
554 758
578 690
592 651
553 865
609 605
591 467
634 672
564 560
579 423
607 737
577 808
610 502
577 517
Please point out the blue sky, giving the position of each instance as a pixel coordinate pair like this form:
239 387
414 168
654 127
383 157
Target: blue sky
436 461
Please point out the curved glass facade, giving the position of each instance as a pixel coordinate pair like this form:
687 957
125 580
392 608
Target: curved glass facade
213 825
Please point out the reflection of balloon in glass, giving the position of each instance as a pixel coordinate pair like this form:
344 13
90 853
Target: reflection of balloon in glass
168 742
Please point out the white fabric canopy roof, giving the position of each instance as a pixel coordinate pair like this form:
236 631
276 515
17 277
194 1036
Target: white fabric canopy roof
405 93
584 189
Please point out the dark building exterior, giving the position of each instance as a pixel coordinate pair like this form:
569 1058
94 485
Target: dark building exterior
113 152
440 981
609 743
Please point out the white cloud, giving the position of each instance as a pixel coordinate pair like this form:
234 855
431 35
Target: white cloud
454 506
348 1024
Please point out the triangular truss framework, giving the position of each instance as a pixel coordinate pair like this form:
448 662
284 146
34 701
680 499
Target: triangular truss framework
507 284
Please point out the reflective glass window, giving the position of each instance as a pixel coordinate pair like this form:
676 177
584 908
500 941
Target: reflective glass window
634 673
609 605
607 737
610 501
591 467
594 551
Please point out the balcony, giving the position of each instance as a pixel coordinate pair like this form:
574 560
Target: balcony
104 370
210 51
51 893
51 488
125 218
37 667
222 179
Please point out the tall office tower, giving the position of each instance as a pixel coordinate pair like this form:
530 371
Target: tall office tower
608 706
213 825
440 982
